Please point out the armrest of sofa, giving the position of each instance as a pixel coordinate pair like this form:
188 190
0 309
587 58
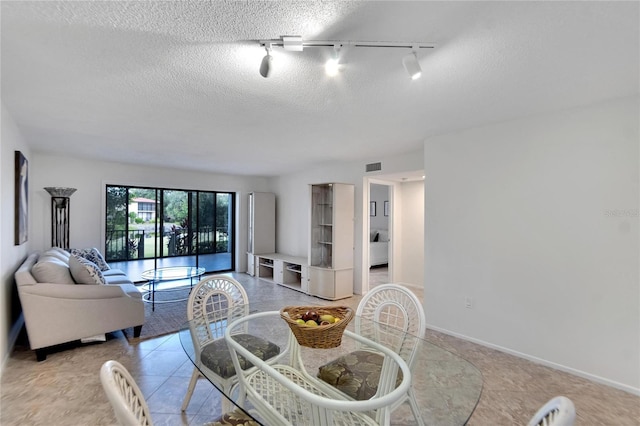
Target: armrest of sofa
80 291
59 313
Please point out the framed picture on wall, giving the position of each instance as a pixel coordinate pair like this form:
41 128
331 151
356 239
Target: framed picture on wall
372 208
386 208
21 221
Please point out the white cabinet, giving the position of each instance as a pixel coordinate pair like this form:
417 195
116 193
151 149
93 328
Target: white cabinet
251 264
292 272
288 271
265 267
331 284
262 228
331 241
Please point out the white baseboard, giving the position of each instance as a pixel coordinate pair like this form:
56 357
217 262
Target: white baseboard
579 373
413 285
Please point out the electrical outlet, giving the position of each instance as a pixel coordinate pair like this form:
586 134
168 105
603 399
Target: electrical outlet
468 302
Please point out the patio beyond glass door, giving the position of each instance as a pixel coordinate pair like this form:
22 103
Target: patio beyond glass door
168 227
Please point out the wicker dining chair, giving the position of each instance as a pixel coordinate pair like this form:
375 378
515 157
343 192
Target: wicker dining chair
124 395
213 303
396 307
131 408
558 411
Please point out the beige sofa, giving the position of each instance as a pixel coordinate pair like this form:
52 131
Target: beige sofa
62 305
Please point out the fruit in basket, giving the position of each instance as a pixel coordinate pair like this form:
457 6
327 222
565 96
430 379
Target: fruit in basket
310 315
300 321
328 318
311 323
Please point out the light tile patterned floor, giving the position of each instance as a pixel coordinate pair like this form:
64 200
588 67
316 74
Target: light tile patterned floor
65 389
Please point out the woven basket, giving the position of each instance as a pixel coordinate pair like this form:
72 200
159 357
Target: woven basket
322 336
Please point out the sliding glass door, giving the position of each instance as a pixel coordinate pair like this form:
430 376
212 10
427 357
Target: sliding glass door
170 226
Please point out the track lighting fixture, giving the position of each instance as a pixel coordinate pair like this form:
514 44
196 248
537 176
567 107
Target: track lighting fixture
265 66
293 43
412 65
332 67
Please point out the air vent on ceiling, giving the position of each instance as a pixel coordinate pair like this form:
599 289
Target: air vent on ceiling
373 167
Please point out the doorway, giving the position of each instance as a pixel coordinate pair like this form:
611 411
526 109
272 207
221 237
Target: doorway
405 216
379 230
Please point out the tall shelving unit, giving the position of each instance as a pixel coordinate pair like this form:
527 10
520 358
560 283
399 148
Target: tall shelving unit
331 241
262 228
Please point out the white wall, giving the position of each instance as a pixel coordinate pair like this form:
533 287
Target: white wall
537 221
87 203
10 255
292 206
379 194
410 269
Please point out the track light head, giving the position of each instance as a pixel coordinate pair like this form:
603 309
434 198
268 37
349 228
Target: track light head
412 65
332 66
265 65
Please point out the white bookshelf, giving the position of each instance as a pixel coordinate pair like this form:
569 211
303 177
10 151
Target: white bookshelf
331 242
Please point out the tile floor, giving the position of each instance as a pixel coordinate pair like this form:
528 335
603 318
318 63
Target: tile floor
65 389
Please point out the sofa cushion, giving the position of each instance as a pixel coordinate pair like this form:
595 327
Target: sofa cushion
117 279
93 255
60 250
50 269
84 271
113 271
61 255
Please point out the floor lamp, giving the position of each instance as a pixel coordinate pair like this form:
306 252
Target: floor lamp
60 215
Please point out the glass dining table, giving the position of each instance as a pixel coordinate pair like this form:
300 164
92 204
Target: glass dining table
445 386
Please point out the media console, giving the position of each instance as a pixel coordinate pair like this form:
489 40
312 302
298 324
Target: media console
288 271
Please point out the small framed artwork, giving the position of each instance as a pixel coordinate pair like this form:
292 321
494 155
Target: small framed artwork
21 198
372 208
386 208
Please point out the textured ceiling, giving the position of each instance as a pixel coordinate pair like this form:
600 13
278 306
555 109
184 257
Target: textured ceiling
177 84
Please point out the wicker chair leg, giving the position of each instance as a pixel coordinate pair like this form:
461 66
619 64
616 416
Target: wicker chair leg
191 388
414 408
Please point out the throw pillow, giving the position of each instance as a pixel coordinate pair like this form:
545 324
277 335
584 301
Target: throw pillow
51 270
96 257
84 271
93 255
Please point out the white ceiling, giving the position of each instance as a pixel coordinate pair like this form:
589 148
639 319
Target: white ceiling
177 84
